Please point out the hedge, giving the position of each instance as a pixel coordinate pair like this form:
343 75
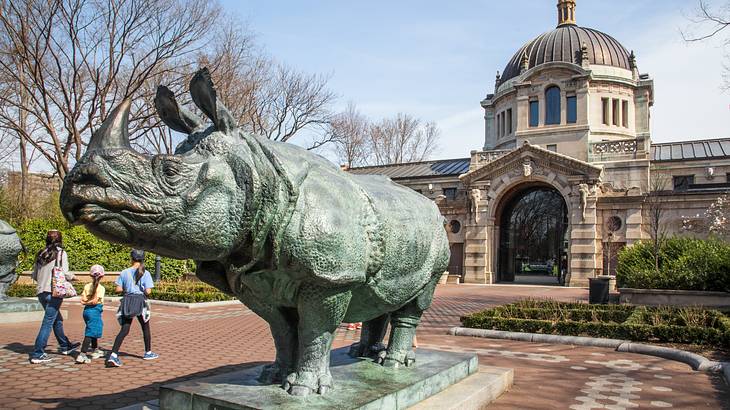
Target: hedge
187 292
684 264
85 249
658 324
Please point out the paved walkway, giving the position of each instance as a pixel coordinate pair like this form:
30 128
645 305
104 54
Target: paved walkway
195 343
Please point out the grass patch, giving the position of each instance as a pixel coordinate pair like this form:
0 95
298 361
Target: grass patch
637 323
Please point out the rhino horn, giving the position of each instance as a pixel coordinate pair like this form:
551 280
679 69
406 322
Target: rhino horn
113 131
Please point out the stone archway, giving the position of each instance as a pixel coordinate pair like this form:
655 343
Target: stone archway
532 235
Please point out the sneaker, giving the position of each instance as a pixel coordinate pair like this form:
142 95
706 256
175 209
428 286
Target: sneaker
150 356
44 358
70 349
113 361
96 354
351 326
83 359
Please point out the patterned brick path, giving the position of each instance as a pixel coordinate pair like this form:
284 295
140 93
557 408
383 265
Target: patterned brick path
202 342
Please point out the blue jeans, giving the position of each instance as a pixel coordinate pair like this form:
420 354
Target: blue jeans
51 320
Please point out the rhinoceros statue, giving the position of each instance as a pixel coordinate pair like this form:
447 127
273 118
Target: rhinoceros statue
300 242
10 248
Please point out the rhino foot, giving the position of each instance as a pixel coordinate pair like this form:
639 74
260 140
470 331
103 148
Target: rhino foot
304 383
361 350
396 359
272 374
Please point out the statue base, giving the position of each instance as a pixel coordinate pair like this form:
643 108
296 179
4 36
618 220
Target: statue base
359 383
17 310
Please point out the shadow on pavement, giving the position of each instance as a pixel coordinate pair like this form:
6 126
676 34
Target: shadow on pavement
722 390
128 397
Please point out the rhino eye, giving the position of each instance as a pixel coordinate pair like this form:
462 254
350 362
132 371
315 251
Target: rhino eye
170 169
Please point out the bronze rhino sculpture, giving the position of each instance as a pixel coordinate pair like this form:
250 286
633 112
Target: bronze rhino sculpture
302 243
10 248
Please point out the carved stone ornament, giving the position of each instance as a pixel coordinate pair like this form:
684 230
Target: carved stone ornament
282 229
527 168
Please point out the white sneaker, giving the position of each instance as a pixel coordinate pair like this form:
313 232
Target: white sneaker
98 353
82 359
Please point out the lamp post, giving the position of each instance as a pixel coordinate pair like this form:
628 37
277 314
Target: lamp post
158 262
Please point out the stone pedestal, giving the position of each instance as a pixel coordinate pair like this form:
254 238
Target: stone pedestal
16 310
359 384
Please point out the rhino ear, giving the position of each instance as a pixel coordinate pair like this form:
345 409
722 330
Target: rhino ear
176 117
205 97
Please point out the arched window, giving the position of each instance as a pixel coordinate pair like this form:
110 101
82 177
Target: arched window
552 106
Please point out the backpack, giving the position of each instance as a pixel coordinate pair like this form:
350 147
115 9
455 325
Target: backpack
60 287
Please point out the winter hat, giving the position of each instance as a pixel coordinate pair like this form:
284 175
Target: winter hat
97 271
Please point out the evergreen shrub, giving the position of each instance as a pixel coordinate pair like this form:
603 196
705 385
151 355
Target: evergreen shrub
684 264
652 324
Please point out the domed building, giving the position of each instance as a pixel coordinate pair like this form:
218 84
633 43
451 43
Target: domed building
568 174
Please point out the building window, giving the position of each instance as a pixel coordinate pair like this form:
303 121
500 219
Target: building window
552 147
572 114
616 112
509 121
534 113
501 125
450 193
503 128
682 182
552 106
455 226
625 112
606 116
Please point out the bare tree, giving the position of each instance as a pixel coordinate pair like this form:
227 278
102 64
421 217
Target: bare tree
349 133
402 139
267 97
655 210
75 59
708 22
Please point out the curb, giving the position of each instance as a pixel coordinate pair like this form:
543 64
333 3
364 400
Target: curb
697 362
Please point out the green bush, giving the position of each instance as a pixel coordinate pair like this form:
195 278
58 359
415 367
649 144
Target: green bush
659 324
684 263
85 249
188 292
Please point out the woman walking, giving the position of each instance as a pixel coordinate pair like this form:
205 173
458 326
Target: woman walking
136 284
48 258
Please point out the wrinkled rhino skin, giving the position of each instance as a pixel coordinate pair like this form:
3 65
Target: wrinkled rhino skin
10 248
302 243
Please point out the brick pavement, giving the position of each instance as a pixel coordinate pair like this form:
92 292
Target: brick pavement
216 340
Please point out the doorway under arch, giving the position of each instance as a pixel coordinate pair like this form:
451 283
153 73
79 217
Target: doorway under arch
533 241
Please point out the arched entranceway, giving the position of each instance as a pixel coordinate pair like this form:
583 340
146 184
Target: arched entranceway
533 242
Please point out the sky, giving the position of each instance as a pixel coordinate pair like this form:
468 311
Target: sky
437 60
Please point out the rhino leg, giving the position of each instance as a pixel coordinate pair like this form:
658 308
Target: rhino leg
403 324
320 310
371 338
283 330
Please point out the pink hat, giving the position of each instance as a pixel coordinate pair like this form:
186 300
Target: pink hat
97 271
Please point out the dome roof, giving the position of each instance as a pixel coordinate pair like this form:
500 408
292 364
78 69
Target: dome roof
564 44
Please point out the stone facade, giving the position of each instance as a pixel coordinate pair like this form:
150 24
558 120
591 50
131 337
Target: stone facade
579 127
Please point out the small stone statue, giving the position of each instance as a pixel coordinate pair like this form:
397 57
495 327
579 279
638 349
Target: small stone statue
10 248
299 241
584 190
475 195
